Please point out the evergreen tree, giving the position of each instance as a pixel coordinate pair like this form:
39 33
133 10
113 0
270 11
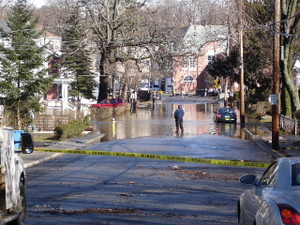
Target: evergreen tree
257 46
76 58
23 81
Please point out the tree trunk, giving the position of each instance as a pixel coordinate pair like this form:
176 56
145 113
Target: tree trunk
291 88
288 28
103 85
19 117
286 102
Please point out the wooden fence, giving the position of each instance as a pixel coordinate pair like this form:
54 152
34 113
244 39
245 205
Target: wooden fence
49 122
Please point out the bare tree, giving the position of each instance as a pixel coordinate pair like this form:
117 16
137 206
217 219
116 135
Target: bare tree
204 12
114 25
4 9
134 31
141 29
54 15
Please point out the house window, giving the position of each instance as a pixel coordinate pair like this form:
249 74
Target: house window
188 79
188 62
210 58
192 62
185 62
2 41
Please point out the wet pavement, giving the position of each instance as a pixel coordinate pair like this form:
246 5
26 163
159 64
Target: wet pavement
198 120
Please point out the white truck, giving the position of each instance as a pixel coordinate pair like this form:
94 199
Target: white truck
13 177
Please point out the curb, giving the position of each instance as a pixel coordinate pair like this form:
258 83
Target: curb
275 154
84 140
89 138
36 162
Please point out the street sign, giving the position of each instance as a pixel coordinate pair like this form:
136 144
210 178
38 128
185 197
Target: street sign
274 99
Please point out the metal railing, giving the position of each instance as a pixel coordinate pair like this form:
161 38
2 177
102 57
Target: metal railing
288 125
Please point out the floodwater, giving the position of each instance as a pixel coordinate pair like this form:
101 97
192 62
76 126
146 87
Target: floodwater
157 120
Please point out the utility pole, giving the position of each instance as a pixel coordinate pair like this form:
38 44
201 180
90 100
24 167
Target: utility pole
228 54
276 78
242 87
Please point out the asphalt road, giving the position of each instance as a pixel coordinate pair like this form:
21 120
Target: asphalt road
82 189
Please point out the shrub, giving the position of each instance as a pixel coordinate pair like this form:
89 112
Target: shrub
68 130
261 109
87 121
107 112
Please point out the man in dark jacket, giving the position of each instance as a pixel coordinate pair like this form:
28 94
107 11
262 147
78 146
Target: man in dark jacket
178 116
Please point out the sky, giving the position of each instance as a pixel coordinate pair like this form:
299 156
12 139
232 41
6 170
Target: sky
38 3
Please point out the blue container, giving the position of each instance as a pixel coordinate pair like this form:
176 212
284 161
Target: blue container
18 139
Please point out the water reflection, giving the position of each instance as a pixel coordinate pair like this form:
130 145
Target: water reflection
157 120
229 130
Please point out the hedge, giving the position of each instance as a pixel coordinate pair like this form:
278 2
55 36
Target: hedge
68 130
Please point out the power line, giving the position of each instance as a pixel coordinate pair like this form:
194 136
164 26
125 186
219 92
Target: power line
264 26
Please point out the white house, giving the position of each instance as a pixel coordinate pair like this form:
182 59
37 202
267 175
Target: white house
57 97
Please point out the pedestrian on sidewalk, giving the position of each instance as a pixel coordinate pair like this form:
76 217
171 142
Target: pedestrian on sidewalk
31 120
153 98
178 116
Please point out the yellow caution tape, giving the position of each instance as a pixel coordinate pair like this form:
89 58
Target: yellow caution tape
161 157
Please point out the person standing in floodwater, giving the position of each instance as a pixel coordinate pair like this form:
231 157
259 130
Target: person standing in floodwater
178 116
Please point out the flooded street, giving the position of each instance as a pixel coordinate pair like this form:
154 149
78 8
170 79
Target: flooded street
159 188
157 120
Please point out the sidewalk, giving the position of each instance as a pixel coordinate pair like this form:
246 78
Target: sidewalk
289 144
37 157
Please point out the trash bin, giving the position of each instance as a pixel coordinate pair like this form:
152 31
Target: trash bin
18 139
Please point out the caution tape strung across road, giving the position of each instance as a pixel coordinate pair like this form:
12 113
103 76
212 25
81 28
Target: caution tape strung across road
161 157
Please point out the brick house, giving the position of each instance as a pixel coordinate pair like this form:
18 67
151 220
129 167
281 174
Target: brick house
193 52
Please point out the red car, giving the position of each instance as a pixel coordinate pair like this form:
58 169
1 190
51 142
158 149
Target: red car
114 102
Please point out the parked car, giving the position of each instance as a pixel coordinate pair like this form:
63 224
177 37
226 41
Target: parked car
275 197
145 87
213 93
225 115
114 102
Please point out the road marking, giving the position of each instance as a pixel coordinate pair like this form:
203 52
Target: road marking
161 157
